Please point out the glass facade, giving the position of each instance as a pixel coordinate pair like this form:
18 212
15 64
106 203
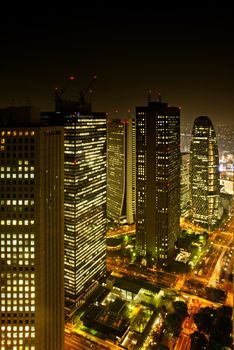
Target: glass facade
120 170
204 162
85 204
31 183
184 184
116 170
158 180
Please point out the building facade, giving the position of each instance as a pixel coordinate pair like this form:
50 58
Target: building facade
157 180
84 204
184 184
204 173
31 231
121 170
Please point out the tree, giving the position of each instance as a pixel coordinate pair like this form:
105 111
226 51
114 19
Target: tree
217 324
221 330
181 308
204 319
173 324
198 341
225 311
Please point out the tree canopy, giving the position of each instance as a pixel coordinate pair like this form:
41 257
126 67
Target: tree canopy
217 324
198 341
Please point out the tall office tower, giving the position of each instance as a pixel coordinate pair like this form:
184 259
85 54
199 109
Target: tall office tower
132 131
120 170
84 204
184 184
185 136
158 180
204 162
31 230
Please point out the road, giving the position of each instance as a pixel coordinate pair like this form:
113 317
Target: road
161 278
207 271
121 231
217 269
214 268
188 327
80 340
73 342
183 342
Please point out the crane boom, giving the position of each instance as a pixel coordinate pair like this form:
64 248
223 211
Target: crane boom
83 93
69 106
59 93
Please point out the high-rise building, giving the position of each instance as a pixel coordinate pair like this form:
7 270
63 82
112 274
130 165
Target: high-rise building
184 184
204 172
31 232
121 177
84 204
157 180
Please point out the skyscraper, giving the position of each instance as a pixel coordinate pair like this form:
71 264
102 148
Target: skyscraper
204 172
121 170
31 229
184 184
85 204
158 180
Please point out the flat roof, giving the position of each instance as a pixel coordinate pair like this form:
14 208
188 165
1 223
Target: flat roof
117 306
124 283
133 285
107 322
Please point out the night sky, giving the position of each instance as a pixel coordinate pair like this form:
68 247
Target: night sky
185 52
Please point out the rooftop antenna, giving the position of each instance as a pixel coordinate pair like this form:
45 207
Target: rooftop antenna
90 95
159 97
149 96
27 101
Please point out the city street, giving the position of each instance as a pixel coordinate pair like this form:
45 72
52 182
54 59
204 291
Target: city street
74 342
183 342
207 272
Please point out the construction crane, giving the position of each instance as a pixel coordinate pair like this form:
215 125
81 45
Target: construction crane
68 106
84 92
59 93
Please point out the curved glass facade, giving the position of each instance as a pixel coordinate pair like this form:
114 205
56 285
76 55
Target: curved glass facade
204 173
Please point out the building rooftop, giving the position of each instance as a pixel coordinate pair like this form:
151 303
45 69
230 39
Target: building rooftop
103 320
133 285
19 116
117 306
126 284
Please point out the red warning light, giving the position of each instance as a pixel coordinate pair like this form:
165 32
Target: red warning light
71 77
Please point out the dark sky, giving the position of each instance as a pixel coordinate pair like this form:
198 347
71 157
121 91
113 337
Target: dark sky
184 51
